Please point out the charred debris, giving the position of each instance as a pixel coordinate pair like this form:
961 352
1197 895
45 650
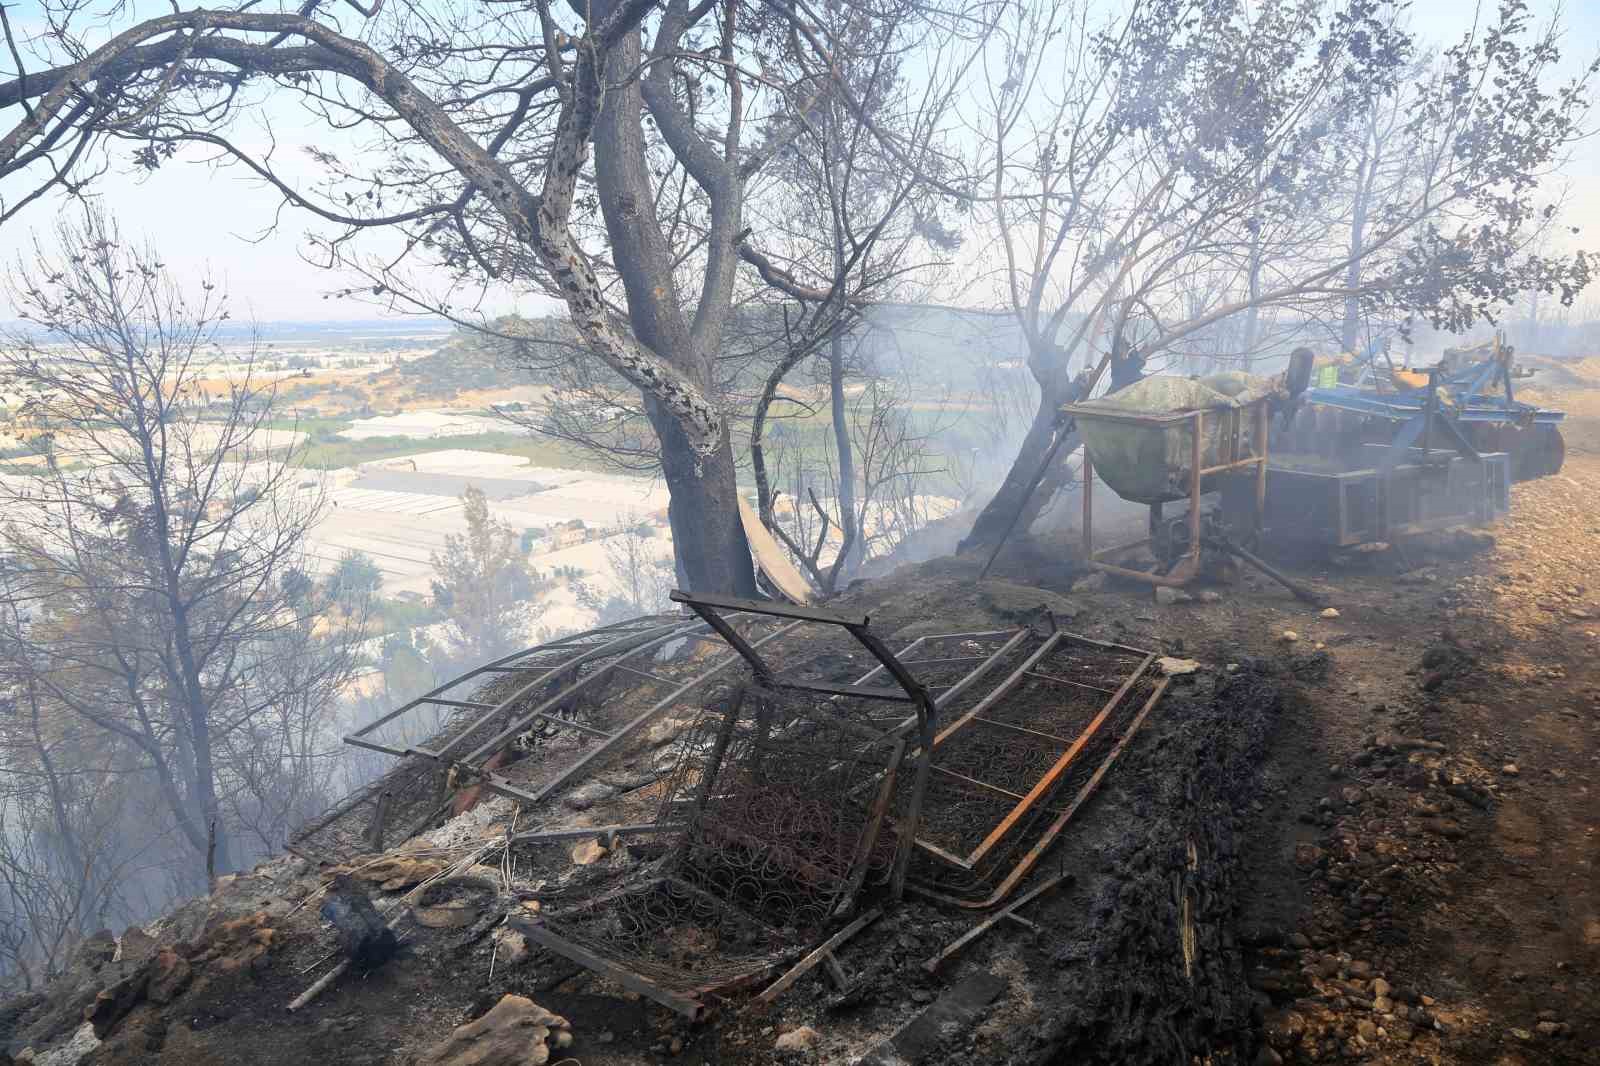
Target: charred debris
756 807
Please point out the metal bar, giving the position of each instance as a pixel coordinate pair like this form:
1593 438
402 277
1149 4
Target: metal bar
544 937
875 818
943 855
645 717
841 980
645 674
1048 781
357 742
875 692
979 784
452 683
933 964
585 832
470 704
1067 681
1195 459
1064 429
1022 729
777 610
942 662
926 712
734 639
1263 432
817 954
881 669
1088 506
579 726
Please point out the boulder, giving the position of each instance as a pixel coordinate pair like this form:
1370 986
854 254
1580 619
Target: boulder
1022 603
515 1032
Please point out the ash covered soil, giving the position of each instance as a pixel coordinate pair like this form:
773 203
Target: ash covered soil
1374 843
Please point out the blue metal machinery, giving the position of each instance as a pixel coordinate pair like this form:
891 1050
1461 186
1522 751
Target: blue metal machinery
1460 403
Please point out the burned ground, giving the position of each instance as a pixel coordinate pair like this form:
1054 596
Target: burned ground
1382 836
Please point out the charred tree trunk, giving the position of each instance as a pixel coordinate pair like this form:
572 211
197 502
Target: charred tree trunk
708 536
995 519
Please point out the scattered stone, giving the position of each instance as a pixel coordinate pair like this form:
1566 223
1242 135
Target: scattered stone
801 1039
515 1032
1551 1029
1367 1030
1510 769
1289 636
587 852
666 731
1381 988
1444 827
1174 667
1360 968
1166 597
510 947
1522 1034
1330 612
452 914
1208 596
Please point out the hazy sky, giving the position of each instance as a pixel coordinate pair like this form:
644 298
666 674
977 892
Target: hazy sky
202 217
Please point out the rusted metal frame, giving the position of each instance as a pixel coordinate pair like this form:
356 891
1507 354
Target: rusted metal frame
1048 781
547 836
647 675
1002 690
1068 681
372 745
650 643
1022 869
777 610
824 688
817 955
633 982
645 717
950 949
713 767
926 712
869 838
501 664
1016 637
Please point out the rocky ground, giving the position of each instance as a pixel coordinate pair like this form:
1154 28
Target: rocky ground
1375 842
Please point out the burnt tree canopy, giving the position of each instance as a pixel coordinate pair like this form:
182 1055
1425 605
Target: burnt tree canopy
600 153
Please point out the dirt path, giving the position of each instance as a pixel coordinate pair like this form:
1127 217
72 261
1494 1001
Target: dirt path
1429 887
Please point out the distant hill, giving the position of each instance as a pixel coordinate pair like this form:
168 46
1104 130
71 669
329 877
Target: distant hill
474 359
